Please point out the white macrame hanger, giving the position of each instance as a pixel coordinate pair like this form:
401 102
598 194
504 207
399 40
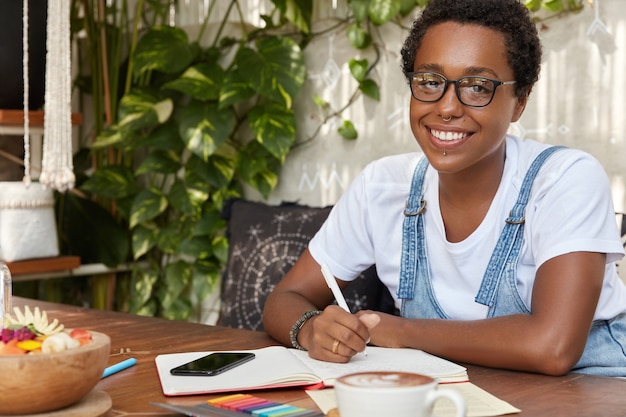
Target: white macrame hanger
26 81
57 169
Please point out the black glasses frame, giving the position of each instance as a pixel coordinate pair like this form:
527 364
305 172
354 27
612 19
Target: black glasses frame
447 82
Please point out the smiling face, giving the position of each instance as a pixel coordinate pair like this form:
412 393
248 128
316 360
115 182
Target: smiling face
474 136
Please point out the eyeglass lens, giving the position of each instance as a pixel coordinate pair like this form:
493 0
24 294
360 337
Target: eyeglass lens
471 90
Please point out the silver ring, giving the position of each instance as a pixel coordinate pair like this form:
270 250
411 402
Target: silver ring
446 119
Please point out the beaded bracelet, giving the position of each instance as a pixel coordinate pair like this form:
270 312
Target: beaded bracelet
293 333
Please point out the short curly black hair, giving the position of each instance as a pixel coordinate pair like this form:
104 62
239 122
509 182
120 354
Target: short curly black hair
509 17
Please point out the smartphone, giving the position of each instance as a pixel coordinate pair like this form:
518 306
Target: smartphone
213 363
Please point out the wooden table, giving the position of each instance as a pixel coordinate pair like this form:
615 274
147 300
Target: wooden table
143 338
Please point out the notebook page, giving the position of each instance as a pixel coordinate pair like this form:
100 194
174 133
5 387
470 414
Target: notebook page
386 359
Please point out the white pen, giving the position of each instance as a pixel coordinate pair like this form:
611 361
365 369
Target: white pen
332 284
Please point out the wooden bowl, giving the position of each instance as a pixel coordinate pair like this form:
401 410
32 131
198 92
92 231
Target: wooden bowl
39 383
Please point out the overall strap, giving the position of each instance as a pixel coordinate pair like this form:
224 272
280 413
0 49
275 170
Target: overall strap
512 234
415 206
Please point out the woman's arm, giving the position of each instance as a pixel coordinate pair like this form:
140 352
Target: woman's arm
304 289
550 340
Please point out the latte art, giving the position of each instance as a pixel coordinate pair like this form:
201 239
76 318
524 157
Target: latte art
385 380
394 394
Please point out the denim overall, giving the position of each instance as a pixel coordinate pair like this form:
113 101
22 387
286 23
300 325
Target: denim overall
605 351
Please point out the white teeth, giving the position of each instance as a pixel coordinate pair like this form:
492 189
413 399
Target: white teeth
447 135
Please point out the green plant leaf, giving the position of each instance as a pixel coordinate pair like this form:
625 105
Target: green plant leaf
141 301
141 108
220 196
286 61
198 192
320 102
275 128
210 223
407 6
276 69
148 204
358 68
204 279
267 20
163 162
162 48
123 206
533 5
370 89
179 198
234 90
359 9
347 130
202 81
197 247
164 137
177 276
218 170
180 310
358 38
553 5
143 239
382 11
204 128
175 303
576 6
109 137
220 248
188 198
112 182
258 168
299 13
172 233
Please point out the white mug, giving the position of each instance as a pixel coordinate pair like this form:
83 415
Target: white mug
397 394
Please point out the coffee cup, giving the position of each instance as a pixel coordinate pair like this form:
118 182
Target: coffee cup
397 394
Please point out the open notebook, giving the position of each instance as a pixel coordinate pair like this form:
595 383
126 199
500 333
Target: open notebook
281 367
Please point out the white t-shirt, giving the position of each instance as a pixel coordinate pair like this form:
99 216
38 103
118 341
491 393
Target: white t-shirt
570 209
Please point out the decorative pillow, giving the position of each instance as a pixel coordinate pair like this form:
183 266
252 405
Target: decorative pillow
265 241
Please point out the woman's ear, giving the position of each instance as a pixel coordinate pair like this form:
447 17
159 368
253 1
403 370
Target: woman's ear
519 107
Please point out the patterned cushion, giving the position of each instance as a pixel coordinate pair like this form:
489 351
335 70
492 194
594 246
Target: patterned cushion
265 241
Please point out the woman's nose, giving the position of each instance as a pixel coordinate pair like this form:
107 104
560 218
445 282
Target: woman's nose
449 104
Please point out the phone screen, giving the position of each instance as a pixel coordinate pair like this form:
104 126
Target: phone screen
213 363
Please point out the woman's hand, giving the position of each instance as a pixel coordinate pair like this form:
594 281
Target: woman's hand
386 329
336 335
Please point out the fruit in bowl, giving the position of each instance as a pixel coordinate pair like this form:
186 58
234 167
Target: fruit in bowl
48 369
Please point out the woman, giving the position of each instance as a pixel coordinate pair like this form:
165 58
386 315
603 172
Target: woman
497 253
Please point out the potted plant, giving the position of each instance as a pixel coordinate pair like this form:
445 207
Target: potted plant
203 124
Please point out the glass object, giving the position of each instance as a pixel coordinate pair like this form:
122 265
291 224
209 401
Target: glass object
5 292
473 91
